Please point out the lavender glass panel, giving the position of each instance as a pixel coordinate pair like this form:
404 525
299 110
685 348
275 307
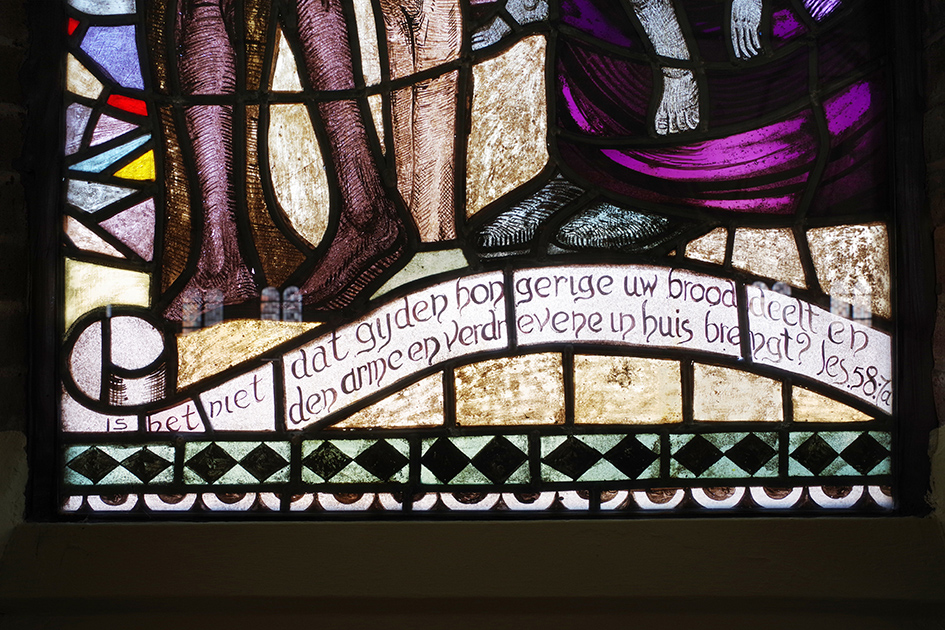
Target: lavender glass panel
107 128
113 48
77 116
135 228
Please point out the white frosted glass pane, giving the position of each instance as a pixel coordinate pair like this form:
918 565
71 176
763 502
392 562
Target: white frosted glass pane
413 333
244 403
182 418
794 335
631 305
135 343
80 419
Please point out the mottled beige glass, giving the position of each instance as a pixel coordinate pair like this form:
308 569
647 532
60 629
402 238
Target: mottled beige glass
367 41
298 170
723 394
418 405
141 169
626 390
285 76
89 286
376 104
425 264
771 253
86 239
527 389
80 81
507 143
211 350
709 248
846 255
812 407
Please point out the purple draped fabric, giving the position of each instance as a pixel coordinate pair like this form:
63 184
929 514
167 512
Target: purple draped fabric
767 130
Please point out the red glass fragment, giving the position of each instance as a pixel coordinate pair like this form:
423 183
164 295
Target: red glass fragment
72 25
133 105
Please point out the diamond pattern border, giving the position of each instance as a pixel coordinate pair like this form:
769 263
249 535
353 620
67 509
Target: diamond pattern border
724 455
226 463
498 459
102 465
839 453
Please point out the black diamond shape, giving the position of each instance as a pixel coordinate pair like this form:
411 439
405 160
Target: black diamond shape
381 460
145 464
864 453
630 457
94 464
262 461
572 457
211 463
814 454
444 460
698 455
751 453
326 461
498 459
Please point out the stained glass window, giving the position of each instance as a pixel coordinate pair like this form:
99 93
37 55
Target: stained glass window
456 257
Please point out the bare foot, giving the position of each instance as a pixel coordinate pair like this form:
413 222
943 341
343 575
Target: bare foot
746 21
356 257
679 108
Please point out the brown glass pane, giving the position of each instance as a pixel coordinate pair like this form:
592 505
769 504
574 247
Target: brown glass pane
177 204
515 390
278 256
723 394
626 390
508 119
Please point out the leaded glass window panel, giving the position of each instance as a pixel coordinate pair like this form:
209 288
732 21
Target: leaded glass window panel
500 257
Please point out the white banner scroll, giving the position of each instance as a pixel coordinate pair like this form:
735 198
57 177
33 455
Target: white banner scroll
799 337
633 305
418 331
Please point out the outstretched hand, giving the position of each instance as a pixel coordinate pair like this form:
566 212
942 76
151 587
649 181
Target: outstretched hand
746 22
679 108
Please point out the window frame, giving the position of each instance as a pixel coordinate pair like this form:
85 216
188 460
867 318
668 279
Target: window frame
912 258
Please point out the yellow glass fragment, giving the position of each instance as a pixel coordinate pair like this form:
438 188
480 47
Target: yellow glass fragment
709 248
725 394
211 350
285 76
376 103
626 390
141 169
771 253
88 286
425 264
80 81
418 405
527 389
298 170
507 143
849 255
86 239
812 407
367 41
